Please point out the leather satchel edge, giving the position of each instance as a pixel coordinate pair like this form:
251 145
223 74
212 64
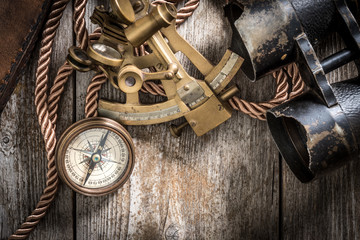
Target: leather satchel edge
11 79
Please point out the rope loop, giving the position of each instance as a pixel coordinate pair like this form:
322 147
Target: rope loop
47 106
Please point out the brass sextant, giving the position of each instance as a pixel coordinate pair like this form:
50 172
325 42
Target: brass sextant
133 23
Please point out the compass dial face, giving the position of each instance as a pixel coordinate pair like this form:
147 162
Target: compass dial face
95 158
112 161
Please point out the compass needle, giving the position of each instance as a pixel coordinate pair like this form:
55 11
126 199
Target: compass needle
87 166
108 160
102 170
87 153
86 160
89 171
102 142
106 150
90 146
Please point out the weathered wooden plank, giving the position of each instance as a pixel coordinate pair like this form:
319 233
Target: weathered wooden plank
223 185
328 207
22 152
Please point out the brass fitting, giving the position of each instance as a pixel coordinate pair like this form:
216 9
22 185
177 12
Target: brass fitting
130 79
144 28
123 10
177 130
229 93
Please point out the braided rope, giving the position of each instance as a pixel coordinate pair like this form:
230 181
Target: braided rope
184 12
254 110
47 128
79 23
298 85
258 110
57 89
148 87
47 107
93 94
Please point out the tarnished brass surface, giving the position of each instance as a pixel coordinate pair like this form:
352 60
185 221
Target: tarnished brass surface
144 28
123 10
201 102
73 132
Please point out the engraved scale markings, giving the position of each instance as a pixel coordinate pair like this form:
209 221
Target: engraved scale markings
104 174
143 116
225 71
149 115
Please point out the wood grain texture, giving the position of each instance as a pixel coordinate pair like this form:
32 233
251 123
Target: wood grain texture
228 184
220 186
22 152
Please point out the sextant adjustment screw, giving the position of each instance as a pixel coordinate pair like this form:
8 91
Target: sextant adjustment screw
137 4
193 123
177 130
169 76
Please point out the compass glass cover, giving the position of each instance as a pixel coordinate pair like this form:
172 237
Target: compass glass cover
96 158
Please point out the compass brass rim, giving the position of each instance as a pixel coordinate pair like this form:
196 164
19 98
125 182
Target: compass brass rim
82 126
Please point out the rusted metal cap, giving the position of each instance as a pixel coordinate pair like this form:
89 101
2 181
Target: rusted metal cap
313 138
263 34
264 31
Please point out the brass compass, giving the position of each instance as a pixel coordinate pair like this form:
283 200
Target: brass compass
83 159
95 156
